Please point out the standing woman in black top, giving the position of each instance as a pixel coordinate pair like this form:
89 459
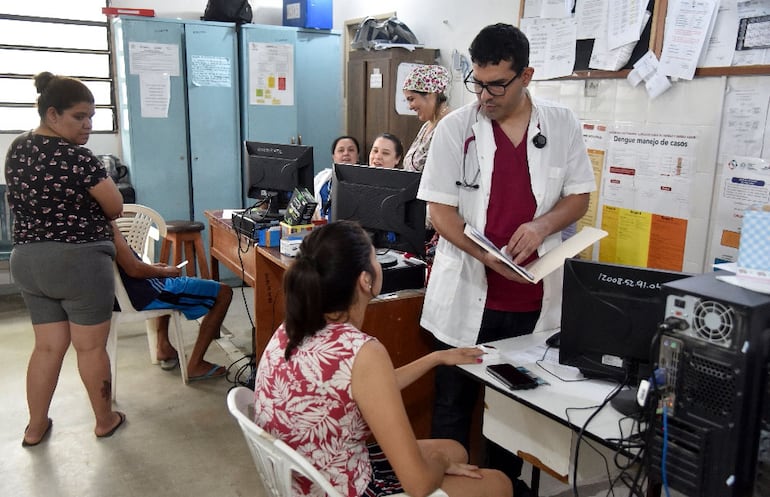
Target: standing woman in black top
62 201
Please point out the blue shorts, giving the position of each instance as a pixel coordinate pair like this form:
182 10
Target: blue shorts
194 297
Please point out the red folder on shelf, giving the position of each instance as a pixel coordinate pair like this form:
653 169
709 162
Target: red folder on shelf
116 11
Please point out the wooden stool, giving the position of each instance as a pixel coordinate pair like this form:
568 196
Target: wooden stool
185 235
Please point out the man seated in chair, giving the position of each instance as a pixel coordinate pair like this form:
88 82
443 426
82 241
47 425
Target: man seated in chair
158 286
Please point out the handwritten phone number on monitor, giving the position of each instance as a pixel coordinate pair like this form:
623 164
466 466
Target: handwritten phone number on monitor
628 282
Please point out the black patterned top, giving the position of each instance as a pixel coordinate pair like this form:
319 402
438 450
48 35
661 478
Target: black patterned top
48 179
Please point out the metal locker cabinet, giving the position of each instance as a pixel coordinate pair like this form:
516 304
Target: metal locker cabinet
319 92
213 109
188 161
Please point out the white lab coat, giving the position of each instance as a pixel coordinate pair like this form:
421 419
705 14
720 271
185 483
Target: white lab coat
457 289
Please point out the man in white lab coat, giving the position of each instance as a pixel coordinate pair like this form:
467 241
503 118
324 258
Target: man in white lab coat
516 168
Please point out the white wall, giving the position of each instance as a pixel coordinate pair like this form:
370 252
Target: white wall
451 25
442 24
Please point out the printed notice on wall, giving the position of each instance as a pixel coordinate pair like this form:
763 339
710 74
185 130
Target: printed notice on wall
210 71
647 190
744 183
161 58
154 94
271 74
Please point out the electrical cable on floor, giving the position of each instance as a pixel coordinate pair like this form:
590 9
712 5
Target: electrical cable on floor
237 377
249 368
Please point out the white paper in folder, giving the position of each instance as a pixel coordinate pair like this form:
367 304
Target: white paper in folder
547 263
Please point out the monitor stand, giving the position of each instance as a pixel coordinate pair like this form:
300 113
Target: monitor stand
272 212
625 403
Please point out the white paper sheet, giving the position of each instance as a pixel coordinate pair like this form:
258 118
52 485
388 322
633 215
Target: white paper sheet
743 182
747 9
623 22
161 58
154 94
591 18
687 24
604 58
744 116
720 47
210 71
552 46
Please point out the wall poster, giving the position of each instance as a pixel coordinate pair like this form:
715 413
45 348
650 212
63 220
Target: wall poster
646 200
271 74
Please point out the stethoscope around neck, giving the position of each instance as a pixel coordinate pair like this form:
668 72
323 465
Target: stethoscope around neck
539 141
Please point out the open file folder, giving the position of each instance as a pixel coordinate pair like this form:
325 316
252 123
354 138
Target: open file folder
547 263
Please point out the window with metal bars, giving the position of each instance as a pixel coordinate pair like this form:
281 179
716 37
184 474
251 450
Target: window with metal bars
65 38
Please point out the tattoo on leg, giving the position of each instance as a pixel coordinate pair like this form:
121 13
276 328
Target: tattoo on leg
106 389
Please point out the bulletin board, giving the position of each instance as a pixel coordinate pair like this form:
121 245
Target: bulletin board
653 39
585 47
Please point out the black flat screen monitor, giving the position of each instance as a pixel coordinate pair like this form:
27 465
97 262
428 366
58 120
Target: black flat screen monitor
273 170
610 315
384 202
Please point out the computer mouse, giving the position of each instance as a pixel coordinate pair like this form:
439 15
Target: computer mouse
554 340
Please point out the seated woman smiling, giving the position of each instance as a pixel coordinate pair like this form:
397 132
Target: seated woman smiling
386 152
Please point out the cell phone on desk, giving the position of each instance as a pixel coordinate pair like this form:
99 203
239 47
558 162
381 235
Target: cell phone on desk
511 376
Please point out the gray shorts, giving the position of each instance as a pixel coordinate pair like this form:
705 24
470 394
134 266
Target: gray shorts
66 281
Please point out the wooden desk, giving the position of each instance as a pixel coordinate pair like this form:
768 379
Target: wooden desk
394 319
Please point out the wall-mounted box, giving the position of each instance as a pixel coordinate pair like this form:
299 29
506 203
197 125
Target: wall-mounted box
315 14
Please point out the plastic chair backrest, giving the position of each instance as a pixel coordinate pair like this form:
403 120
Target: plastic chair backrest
275 461
142 226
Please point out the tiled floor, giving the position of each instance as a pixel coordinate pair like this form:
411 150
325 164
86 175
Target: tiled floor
178 441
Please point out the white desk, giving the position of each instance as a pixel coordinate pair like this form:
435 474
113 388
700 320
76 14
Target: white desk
534 424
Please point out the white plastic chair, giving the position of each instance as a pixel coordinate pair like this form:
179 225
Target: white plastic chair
142 227
276 461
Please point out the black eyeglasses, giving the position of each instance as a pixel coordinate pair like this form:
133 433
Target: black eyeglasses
494 89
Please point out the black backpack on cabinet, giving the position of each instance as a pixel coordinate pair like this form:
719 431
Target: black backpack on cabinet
237 11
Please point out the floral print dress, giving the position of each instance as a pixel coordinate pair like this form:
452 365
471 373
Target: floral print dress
307 402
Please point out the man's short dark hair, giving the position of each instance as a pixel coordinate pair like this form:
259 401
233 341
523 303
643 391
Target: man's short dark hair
498 42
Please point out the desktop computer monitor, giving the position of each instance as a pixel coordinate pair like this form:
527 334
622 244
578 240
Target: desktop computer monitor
273 170
384 202
610 315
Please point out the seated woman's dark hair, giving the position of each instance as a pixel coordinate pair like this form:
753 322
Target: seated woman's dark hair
346 137
323 278
396 143
60 92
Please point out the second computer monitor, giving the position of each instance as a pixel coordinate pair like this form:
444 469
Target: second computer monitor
384 202
273 170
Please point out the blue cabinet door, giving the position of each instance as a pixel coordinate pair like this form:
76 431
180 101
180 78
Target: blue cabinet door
319 92
214 128
263 52
155 140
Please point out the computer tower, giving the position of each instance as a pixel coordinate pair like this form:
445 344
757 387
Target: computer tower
714 353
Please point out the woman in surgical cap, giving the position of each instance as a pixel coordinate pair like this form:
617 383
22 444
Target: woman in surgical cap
424 92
